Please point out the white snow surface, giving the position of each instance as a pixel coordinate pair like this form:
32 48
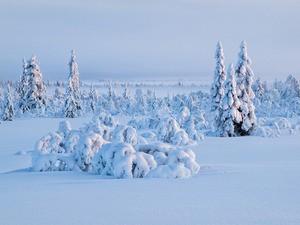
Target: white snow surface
244 180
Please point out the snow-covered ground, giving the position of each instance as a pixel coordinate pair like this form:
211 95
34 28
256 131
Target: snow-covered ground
245 180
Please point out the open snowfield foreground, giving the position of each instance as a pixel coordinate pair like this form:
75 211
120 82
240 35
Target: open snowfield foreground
245 180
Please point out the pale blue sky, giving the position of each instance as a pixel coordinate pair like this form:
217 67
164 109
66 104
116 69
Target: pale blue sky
148 39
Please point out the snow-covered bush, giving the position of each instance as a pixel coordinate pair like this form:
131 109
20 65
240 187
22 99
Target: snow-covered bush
125 134
106 119
190 128
121 160
125 155
89 144
52 162
53 152
64 128
274 127
169 131
145 122
278 99
184 115
172 162
50 143
283 123
96 126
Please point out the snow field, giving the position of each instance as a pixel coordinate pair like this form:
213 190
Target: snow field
244 180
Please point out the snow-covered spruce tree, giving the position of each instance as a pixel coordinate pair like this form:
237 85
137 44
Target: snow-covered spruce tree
126 100
151 102
140 102
244 76
74 73
23 89
126 94
56 102
8 109
34 96
290 97
259 88
111 91
93 99
261 96
231 116
217 89
291 88
72 102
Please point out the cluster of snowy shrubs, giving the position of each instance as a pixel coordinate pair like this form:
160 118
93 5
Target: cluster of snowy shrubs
278 99
110 149
274 127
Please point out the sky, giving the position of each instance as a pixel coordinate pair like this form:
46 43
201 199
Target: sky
148 39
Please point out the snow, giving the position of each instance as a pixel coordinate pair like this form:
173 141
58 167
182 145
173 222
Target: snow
242 180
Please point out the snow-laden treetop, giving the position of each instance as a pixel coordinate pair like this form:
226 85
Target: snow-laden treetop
74 72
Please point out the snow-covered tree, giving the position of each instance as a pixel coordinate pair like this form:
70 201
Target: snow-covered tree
291 88
59 93
126 94
72 105
23 89
231 116
259 88
55 103
8 110
32 91
217 89
93 98
140 101
74 73
111 91
72 102
245 76
37 91
169 131
151 102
